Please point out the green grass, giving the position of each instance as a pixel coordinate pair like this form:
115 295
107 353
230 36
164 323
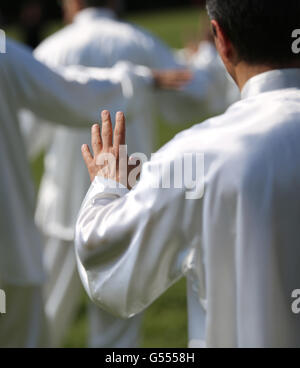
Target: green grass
77 336
165 322
172 26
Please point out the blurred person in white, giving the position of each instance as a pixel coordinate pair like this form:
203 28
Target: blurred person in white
96 37
69 96
241 239
201 51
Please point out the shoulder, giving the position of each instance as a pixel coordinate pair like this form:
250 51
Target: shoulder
255 139
14 47
57 38
17 56
58 44
126 31
221 139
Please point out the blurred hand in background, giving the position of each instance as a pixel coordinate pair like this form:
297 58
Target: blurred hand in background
172 79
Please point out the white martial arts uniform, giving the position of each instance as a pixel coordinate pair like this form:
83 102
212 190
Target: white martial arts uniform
241 240
59 96
206 57
96 38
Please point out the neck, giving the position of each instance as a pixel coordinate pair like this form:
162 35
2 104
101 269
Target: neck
244 71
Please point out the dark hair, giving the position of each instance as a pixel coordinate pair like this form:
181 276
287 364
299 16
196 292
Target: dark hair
90 3
260 30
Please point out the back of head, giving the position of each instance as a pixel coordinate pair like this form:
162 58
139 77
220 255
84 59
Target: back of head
96 3
260 30
116 5
72 7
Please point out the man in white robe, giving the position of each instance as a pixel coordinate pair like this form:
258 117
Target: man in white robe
97 38
56 95
240 241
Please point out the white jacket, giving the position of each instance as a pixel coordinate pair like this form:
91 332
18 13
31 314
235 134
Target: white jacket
241 241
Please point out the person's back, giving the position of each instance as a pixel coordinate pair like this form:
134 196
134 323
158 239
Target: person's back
253 176
97 38
241 241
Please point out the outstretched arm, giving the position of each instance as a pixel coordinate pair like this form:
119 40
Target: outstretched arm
70 96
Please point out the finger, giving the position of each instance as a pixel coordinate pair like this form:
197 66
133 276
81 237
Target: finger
107 132
120 131
96 139
86 154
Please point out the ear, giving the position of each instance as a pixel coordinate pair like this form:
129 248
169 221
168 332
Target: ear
223 44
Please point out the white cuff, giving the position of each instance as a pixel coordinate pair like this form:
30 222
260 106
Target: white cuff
108 186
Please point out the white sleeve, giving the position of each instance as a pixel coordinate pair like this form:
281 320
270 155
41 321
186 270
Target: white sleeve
70 96
131 246
36 133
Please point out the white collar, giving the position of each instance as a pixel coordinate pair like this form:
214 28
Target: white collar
272 80
89 14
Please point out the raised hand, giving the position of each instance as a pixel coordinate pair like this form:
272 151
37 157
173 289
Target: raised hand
106 160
